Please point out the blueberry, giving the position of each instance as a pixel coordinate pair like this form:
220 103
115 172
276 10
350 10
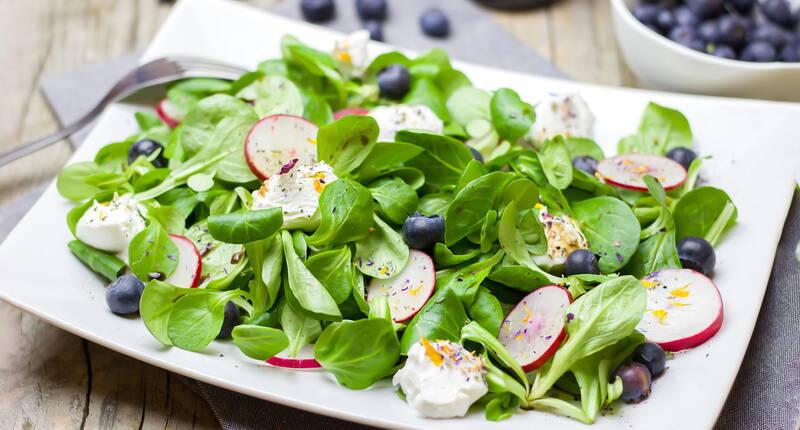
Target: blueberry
682 155
778 12
652 356
147 147
122 295
317 10
646 13
585 163
231 320
375 29
422 232
687 36
635 382
723 51
697 254
434 23
709 31
742 6
581 261
685 16
705 9
759 51
475 154
790 53
732 31
394 81
665 20
770 33
371 9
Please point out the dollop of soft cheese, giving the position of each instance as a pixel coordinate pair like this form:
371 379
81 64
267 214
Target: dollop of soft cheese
563 114
110 226
392 119
296 189
441 379
351 53
563 236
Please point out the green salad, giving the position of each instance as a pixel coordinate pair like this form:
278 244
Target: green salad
384 218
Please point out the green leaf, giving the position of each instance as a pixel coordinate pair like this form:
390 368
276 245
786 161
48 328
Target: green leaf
556 162
435 203
474 170
382 253
486 311
425 92
440 319
259 342
195 320
523 192
156 305
471 204
200 124
611 229
444 257
101 262
299 328
465 280
231 134
346 213
245 226
311 295
71 182
396 199
333 270
697 211
521 237
656 253
170 218
583 147
266 259
523 278
477 333
443 160
152 251
467 104
346 143
511 117
276 95
358 353
660 130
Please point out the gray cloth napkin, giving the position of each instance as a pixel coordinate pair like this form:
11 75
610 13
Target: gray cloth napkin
765 395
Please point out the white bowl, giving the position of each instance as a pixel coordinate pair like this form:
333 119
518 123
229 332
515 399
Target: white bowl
666 65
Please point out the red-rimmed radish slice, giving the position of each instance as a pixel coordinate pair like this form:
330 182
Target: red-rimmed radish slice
169 113
534 329
277 139
407 291
190 264
350 111
294 363
628 170
684 309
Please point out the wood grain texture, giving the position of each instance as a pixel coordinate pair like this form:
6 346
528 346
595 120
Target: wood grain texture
50 379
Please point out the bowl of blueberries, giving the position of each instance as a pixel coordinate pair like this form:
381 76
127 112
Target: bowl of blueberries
736 48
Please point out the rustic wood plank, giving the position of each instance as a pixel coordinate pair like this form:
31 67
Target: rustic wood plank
531 27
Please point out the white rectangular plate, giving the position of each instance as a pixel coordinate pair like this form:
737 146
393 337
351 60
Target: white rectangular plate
749 142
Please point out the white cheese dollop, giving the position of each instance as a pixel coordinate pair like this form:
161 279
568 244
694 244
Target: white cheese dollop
296 189
351 53
110 226
567 115
392 119
441 379
563 236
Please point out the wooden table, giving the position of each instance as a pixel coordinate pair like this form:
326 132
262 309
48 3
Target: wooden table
50 379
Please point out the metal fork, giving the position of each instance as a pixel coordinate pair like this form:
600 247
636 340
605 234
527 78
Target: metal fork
156 72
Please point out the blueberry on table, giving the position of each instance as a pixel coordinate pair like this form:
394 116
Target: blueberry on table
422 232
723 51
147 147
685 16
778 11
759 51
122 295
394 81
585 163
475 154
742 6
375 29
581 261
231 320
709 31
732 31
681 155
434 23
317 10
705 9
646 13
635 382
697 254
665 20
371 9
652 356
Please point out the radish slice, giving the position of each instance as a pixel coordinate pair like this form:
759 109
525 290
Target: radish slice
276 140
534 329
169 113
627 170
350 111
684 309
293 363
407 291
190 264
